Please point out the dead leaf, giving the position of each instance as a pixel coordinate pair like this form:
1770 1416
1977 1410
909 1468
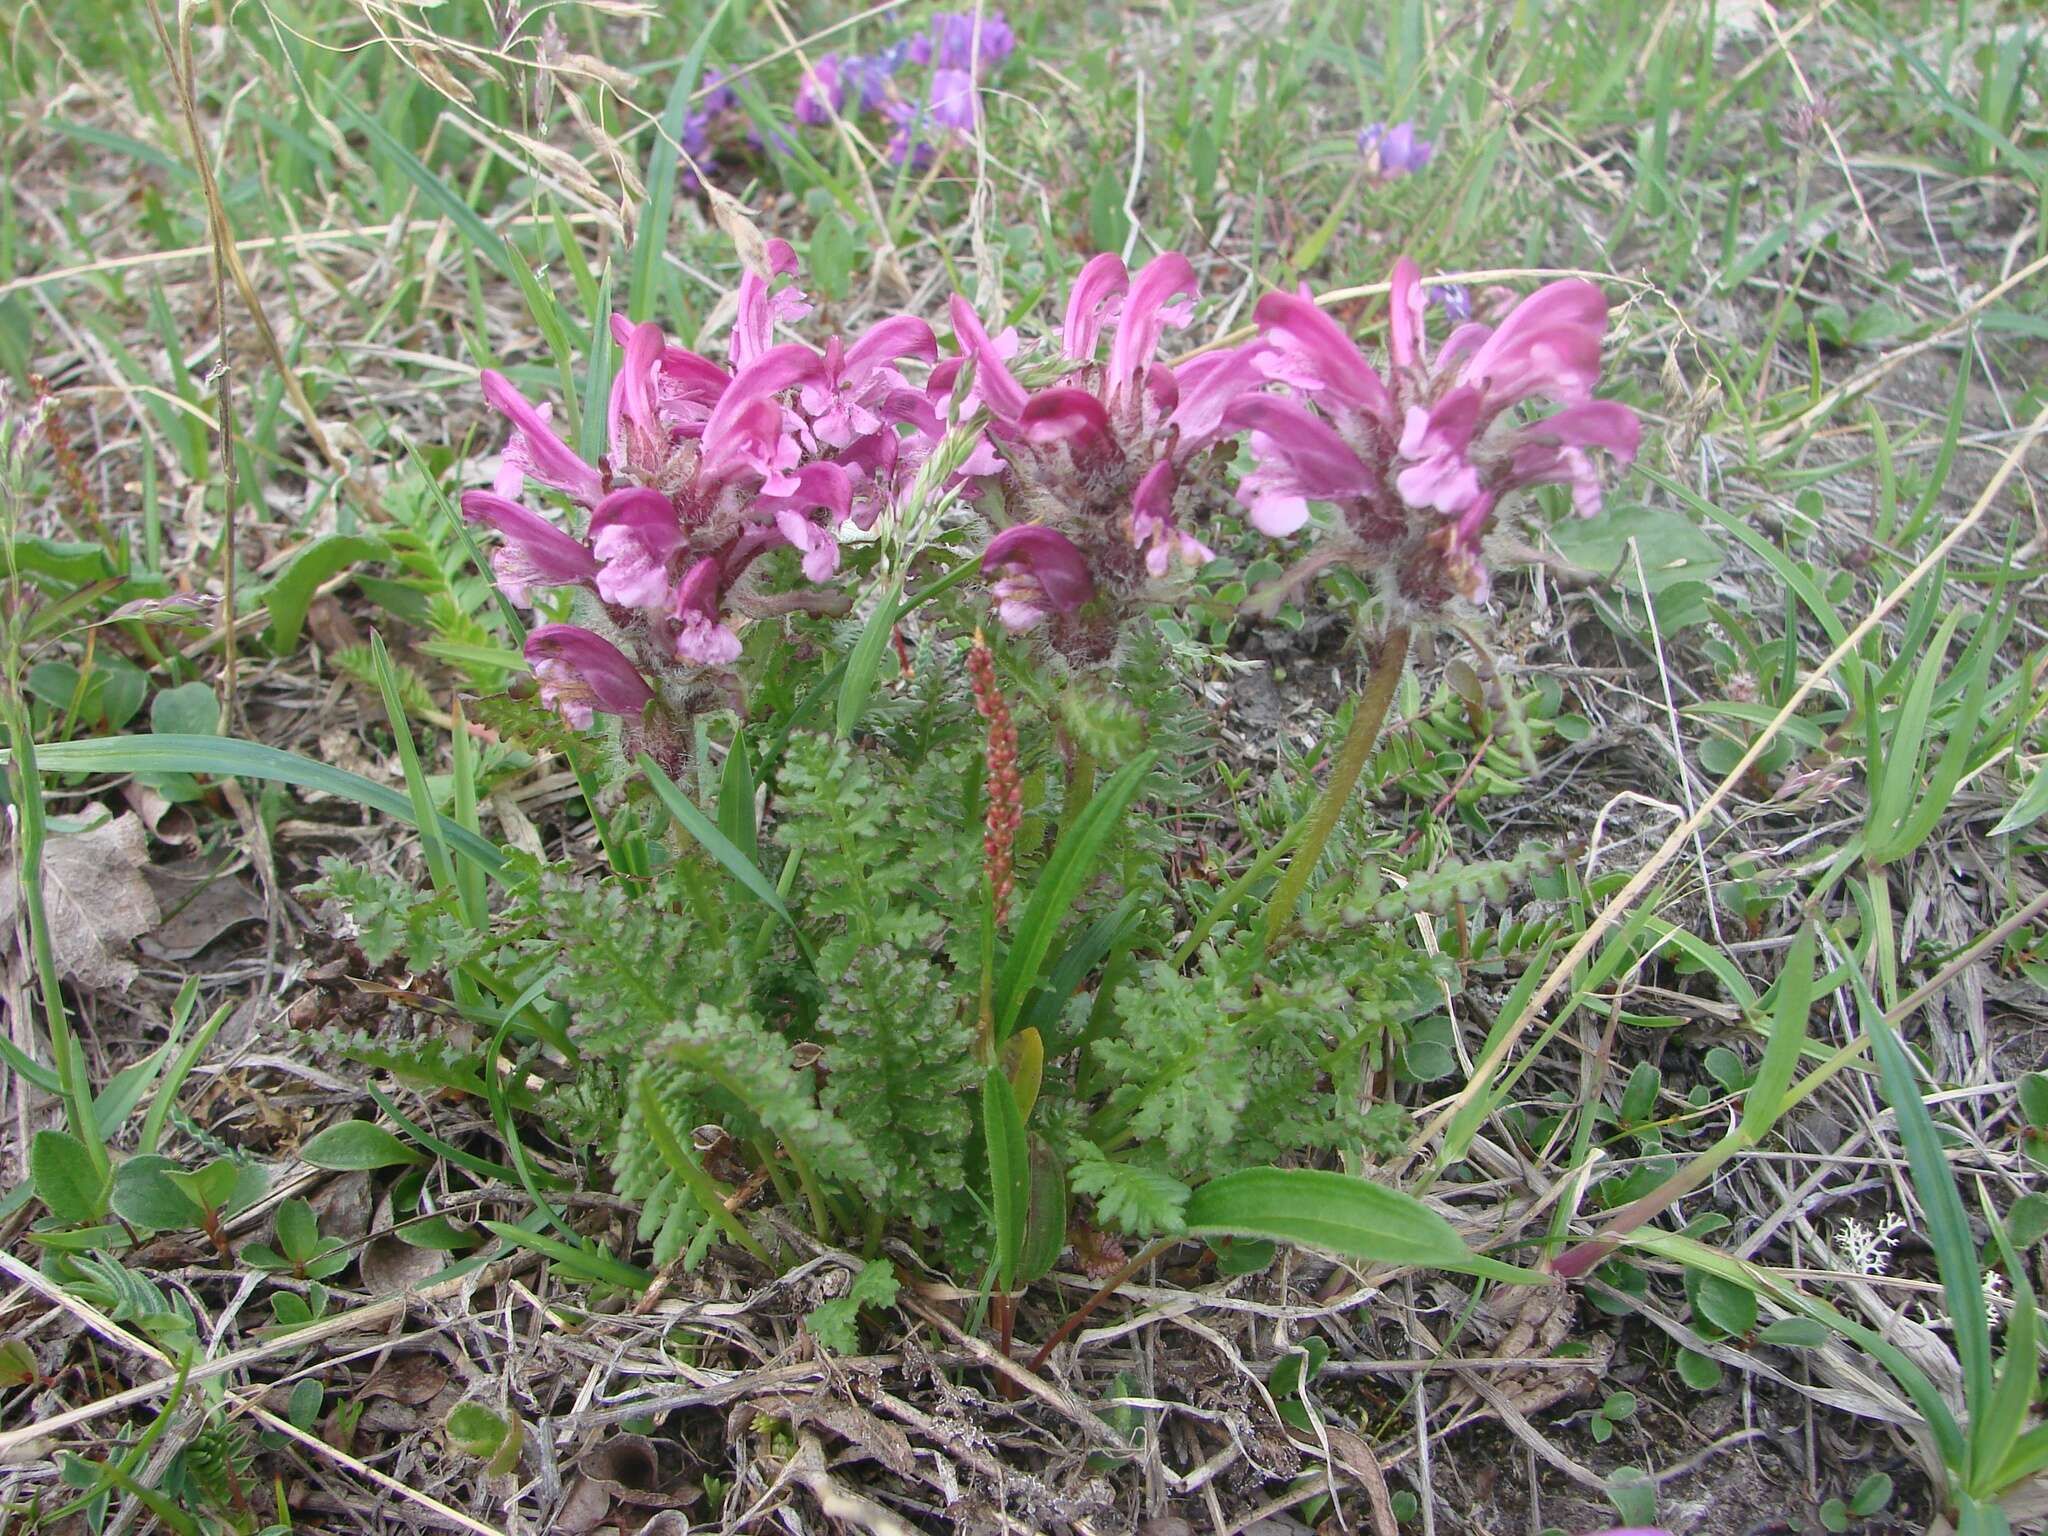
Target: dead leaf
199 907
628 1467
95 899
414 1377
583 1508
168 823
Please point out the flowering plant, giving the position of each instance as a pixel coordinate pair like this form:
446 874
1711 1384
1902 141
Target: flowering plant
962 909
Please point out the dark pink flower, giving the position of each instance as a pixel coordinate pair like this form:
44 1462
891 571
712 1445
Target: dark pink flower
581 673
1100 455
763 305
1419 460
535 553
533 451
1039 574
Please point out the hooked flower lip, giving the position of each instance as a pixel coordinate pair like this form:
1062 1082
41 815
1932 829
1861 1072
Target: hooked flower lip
580 672
1042 572
633 533
701 636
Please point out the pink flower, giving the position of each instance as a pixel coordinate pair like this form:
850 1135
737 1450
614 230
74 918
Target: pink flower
535 553
634 533
1418 461
822 93
762 305
858 389
533 452
1039 573
581 673
1099 456
701 635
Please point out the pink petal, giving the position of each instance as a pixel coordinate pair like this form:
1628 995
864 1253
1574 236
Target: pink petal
1048 557
547 458
993 382
1090 305
1309 350
1147 313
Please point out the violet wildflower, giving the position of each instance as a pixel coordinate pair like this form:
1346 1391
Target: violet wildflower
1391 153
1455 300
1096 460
822 94
581 674
967 40
1419 461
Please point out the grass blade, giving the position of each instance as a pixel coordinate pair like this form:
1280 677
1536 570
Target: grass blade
650 240
1070 867
720 847
1009 1173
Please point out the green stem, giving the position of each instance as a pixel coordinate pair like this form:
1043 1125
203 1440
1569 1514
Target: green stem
1366 720
64 1051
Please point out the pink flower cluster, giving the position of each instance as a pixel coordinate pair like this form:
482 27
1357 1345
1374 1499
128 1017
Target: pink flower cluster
1418 460
711 466
1102 468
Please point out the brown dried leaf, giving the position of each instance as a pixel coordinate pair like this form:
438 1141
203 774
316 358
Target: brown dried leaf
628 1467
414 1377
95 899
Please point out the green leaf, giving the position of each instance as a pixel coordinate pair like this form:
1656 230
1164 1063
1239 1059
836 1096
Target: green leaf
1045 1225
1728 1306
357 1144
834 1324
589 1265
1069 869
1872 1494
474 1430
1639 1099
865 662
298 1230
2034 1099
1633 1495
1788 1036
211 1187
145 1196
832 255
439 864
720 847
1795 1333
1673 547
1948 1227
65 1180
288 597
650 238
1009 1171
1338 1214
227 757
1700 1372
451 205
302 1408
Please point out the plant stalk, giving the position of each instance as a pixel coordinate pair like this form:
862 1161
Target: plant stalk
1374 701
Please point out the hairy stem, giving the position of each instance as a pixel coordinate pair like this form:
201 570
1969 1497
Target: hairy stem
1366 719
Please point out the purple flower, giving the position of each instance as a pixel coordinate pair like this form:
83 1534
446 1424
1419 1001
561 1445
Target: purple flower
1391 153
535 553
822 93
1419 461
581 673
954 44
866 78
1455 299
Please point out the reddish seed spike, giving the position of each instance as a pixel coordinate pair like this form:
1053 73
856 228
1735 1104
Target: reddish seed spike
1005 787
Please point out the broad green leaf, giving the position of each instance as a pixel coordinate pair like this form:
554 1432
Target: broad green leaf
64 1177
1339 1214
288 597
1045 1223
1673 547
146 1196
357 1144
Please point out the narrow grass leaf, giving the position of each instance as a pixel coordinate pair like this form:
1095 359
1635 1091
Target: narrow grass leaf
1070 868
1761 1105
650 239
865 661
439 865
719 846
227 757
